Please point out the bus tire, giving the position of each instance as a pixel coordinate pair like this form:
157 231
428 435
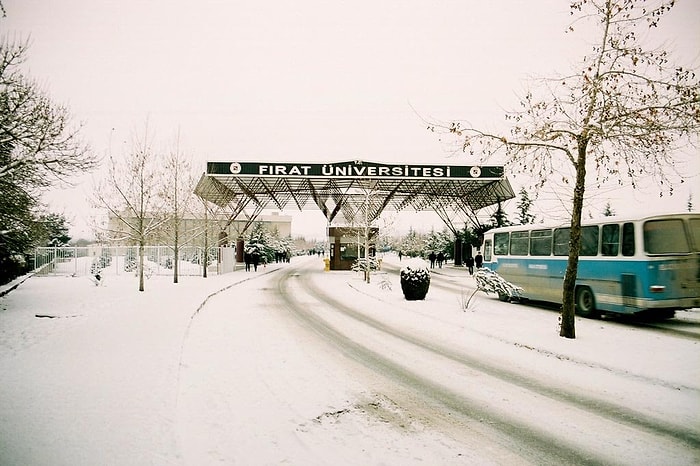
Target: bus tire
585 302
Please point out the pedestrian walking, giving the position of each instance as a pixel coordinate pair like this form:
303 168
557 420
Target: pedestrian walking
470 265
478 260
248 259
256 260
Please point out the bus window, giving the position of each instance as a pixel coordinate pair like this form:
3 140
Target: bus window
589 241
519 243
500 244
541 243
561 241
695 233
610 242
665 237
487 250
628 239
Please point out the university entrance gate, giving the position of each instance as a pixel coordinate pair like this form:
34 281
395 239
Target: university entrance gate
354 192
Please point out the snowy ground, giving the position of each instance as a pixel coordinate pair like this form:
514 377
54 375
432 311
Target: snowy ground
223 371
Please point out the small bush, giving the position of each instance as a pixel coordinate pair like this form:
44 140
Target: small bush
360 265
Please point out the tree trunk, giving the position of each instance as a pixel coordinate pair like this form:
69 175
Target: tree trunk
176 249
568 309
367 267
206 242
141 283
176 261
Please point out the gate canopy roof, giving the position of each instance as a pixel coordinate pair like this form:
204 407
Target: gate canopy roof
356 190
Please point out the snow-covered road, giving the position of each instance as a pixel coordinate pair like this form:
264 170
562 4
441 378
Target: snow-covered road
291 365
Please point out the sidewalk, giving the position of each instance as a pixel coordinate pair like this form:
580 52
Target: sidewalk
447 269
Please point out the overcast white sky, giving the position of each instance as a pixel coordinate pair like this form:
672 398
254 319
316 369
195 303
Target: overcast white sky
309 80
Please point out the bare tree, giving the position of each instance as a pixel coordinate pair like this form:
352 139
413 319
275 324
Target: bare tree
130 193
40 147
620 117
178 194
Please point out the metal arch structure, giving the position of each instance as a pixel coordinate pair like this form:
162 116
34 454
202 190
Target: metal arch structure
356 191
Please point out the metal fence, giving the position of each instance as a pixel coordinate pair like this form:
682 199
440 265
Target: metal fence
116 260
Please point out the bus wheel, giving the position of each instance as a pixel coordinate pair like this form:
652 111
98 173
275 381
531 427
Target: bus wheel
585 303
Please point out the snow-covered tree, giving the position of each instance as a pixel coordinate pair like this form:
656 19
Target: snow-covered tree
524 205
412 244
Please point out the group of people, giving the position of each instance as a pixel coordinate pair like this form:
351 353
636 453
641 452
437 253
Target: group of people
433 258
282 256
439 258
251 257
470 262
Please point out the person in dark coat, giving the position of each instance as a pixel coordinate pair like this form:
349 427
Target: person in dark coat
256 260
470 265
478 260
440 259
248 259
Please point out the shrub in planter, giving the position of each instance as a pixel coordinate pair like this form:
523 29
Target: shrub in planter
415 280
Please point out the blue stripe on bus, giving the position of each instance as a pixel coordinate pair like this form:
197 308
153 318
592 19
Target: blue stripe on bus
619 285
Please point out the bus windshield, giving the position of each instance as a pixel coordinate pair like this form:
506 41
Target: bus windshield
665 237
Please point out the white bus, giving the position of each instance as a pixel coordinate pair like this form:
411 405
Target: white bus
625 265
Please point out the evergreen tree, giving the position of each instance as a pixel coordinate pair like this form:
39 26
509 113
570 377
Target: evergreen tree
524 205
608 212
38 150
412 244
499 217
55 229
440 241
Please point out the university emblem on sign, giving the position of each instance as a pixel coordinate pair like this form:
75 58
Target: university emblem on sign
235 168
475 172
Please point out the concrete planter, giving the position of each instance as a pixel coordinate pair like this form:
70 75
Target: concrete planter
415 282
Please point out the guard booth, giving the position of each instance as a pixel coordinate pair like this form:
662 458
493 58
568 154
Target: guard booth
347 244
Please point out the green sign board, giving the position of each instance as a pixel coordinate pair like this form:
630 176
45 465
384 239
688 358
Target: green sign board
354 169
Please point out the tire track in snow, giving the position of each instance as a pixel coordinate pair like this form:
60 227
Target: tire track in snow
540 441
452 287
534 443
